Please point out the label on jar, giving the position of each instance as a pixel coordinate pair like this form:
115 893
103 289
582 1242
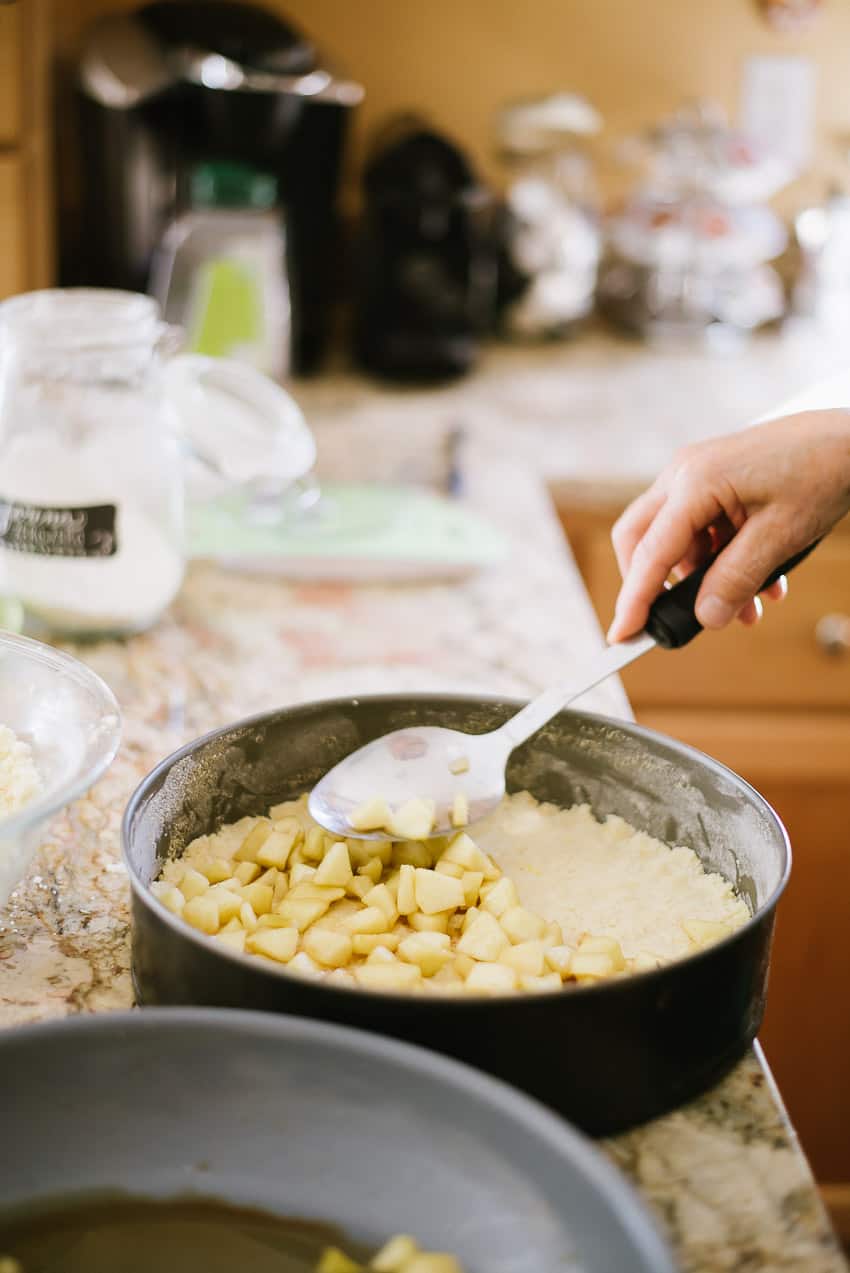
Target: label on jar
58 532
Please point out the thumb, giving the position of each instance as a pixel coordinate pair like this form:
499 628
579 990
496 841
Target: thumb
740 570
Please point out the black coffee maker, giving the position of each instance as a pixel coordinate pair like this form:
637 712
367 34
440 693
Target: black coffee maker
180 83
426 263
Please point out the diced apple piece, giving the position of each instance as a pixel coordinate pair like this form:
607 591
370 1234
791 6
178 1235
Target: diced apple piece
281 888
525 958
217 869
277 847
464 965
604 946
591 964
406 900
302 912
435 893
559 959
235 941
381 897
522 925
381 955
260 897
202 912
335 867
331 950
270 920
396 976
192 883
275 943
471 882
302 963
254 841
552 934
229 903
449 868
463 850
286 808
246 872
365 943
309 891
412 853
433 1262
546 983
358 886
460 765
644 962
429 958
300 872
395 1255
499 897
169 895
315 845
370 920
335 1261
340 977
469 918
413 820
460 810
484 940
438 923
492 978
372 870
382 849
372 815
247 917
703 932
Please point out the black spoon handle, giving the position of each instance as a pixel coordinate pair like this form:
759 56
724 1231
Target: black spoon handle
672 621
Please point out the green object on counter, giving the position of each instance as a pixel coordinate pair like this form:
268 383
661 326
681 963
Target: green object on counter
356 531
227 309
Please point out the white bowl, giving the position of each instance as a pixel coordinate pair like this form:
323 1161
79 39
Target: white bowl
72 722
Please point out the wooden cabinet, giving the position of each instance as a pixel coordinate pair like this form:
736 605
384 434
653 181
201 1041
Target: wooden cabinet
774 704
26 237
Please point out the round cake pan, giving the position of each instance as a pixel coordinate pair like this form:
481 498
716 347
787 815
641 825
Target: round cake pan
312 1122
606 1056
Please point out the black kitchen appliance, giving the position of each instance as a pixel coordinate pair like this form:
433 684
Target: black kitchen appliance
179 83
426 258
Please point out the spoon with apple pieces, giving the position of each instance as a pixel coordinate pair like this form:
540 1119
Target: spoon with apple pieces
426 781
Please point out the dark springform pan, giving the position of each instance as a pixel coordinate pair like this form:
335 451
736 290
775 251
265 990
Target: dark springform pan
606 1056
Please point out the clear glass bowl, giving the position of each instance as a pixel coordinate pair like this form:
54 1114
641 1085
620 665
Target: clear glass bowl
71 719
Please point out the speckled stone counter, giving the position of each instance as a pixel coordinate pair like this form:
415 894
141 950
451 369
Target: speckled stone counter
724 1175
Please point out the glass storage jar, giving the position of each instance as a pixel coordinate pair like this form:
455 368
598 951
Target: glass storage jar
95 429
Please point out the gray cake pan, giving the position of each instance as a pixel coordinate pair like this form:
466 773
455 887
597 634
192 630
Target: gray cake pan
313 1121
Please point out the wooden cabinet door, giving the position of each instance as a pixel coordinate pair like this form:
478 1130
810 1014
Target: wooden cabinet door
11 55
13 248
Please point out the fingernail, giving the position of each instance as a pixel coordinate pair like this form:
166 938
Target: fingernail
714 613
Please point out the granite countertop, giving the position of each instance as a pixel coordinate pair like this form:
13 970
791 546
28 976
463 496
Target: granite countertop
725 1175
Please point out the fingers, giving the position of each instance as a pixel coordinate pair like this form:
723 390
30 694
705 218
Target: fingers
667 541
751 612
732 583
632 525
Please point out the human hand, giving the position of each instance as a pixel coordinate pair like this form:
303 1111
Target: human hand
758 496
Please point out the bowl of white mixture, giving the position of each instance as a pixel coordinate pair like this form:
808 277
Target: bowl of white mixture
59 730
